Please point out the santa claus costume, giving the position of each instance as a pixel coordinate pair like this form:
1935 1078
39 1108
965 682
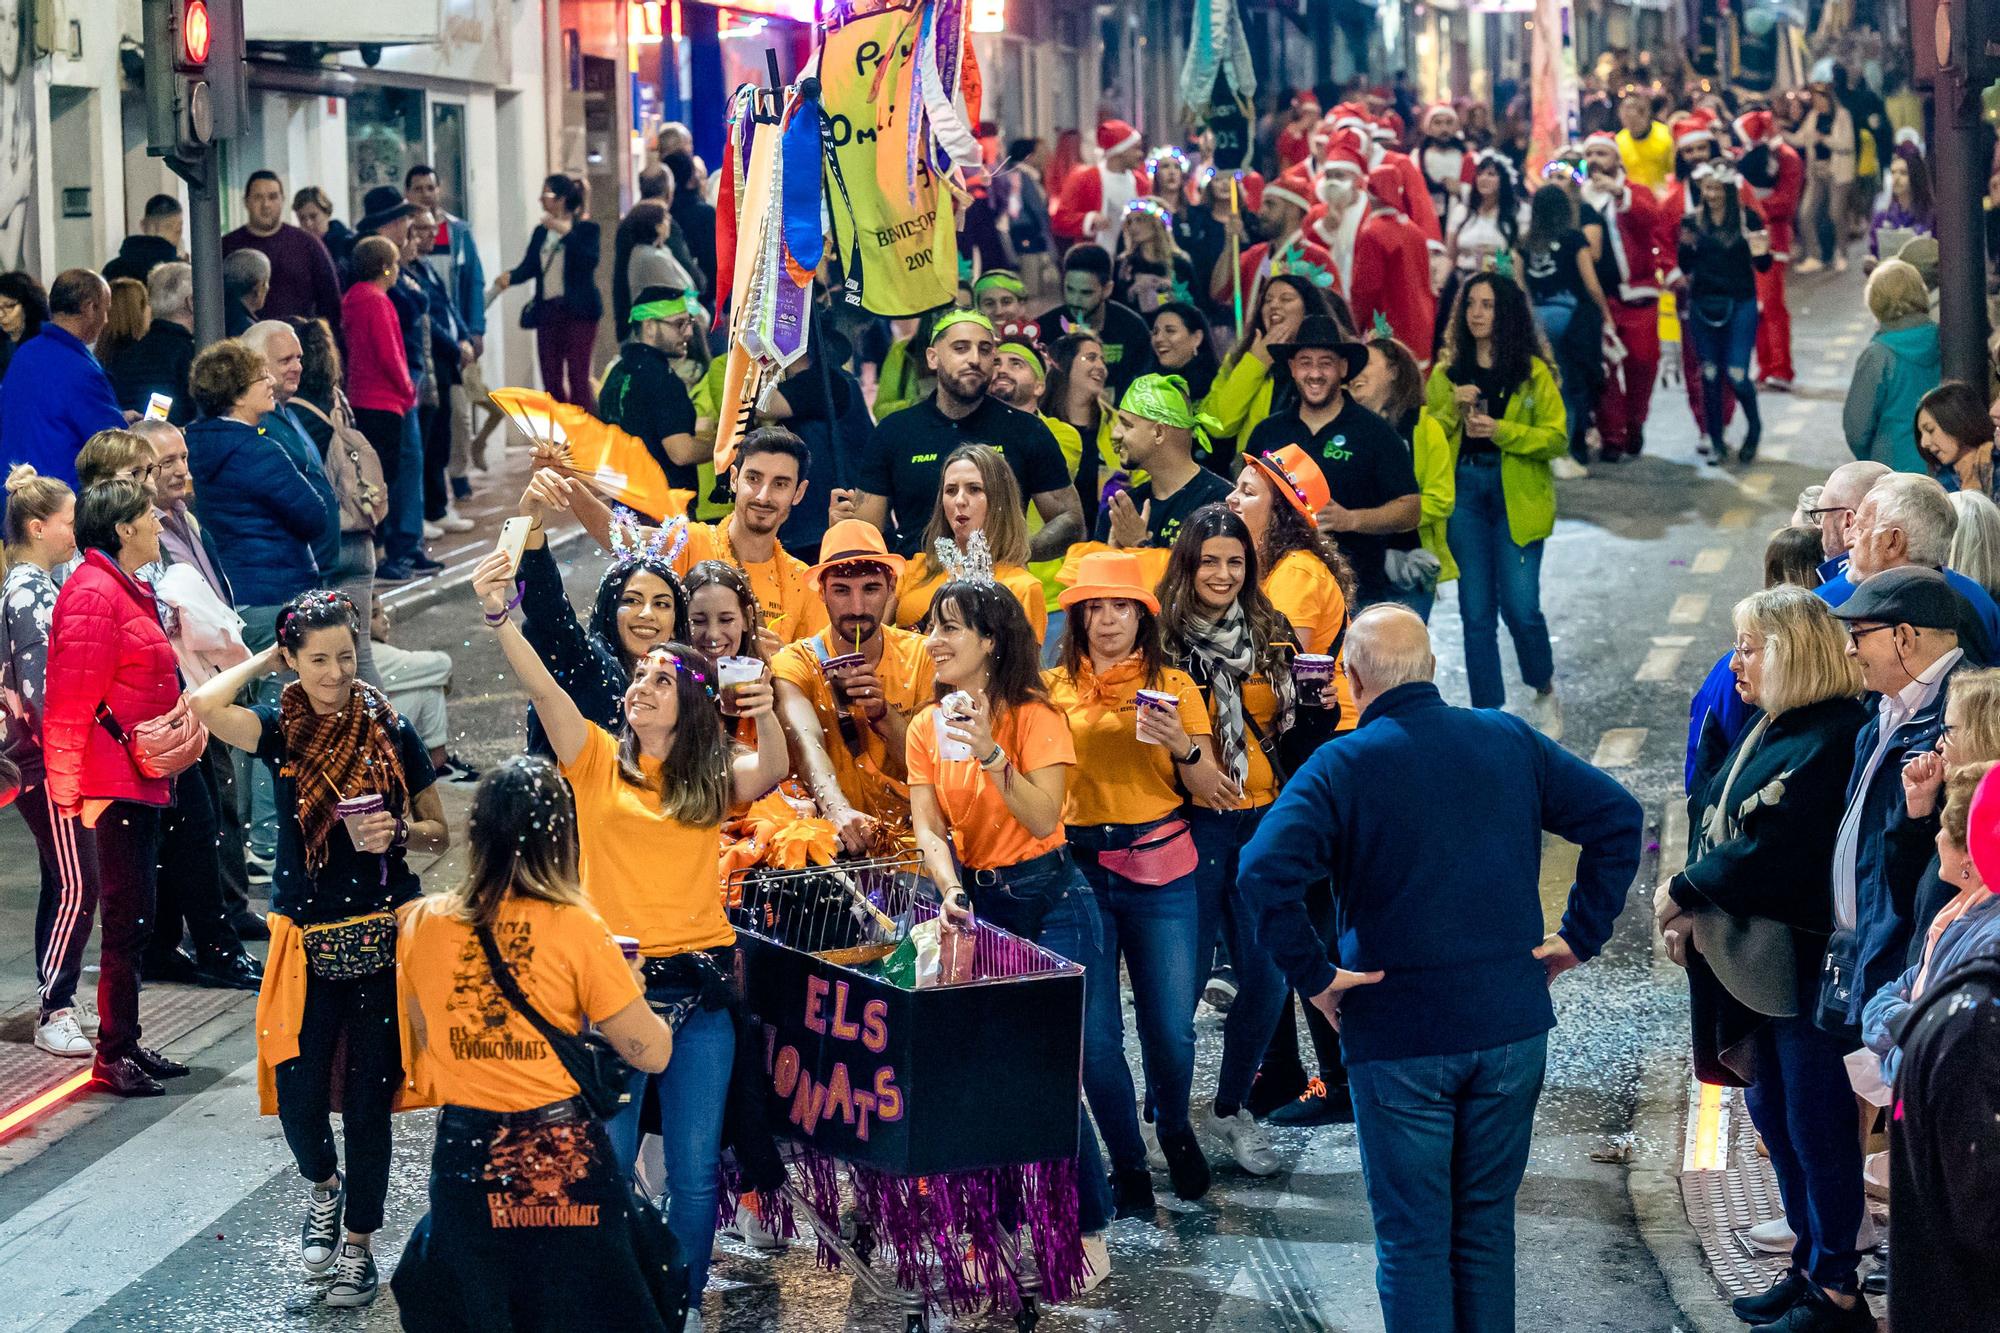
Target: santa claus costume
1092 205
1295 139
1631 244
1443 158
1341 207
1294 247
1392 267
1776 175
1374 141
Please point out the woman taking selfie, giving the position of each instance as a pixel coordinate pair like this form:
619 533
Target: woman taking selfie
356 795
640 604
1219 627
497 1250
655 794
991 832
977 493
1494 395
1140 732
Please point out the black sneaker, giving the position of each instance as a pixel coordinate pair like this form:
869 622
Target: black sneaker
319 1238
1319 1105
1815 1312
1187 1165
422 565
354 1280
125 1078
1769 1305
1132 1192
230 971
456 769
157 1065
1269 1091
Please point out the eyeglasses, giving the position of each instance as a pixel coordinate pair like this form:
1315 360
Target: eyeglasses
1817 515
1947 731
1855 634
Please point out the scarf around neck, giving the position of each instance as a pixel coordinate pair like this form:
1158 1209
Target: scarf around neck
1106 690
333 756
1225 653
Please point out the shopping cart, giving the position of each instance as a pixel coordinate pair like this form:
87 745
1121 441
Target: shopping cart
934 1122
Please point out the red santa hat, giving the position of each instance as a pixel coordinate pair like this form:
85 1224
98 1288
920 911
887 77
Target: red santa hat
1348 116
1115 136
1385 187
1756 127
1694 127
1250 185
1432 111
1388 128
1305 100
1294 187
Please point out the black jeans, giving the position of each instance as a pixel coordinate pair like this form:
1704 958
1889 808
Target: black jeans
357 1019
437 443
68 902
232 873
128 865
189 890
384 430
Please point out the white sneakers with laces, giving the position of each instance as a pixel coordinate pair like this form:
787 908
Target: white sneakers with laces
1247 1141
1149 1134
319 1238
86 1016
61 1034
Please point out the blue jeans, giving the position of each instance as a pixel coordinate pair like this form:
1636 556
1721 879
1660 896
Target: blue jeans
1444 1144
1497 579
1557 318
253 776
1220 836
1068 926
690 1093
1723 351
1803 1105
403 531
1052 640
1154 928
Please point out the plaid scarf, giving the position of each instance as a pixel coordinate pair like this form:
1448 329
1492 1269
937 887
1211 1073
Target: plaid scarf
334 756
1222 650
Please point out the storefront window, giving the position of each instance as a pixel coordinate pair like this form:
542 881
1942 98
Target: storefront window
385 138
448 155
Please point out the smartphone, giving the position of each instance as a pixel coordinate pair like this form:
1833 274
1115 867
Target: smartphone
158 406
514 540
1478 406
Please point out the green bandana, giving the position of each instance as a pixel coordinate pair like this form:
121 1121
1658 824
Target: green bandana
1027 354
1164 398
686 304
1002 279
957 317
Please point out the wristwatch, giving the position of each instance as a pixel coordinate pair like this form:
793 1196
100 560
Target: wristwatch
1193 756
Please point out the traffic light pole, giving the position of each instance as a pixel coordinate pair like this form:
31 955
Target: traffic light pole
204 233
1961 229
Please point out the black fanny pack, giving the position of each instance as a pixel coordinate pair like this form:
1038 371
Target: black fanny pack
679 985
1839 974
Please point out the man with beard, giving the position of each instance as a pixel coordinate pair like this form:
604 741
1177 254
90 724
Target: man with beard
1628 271
642 395
900 471
1087 304
1443 157
1154 432
1376 503
1020 373
846 696
1281 208
1092 204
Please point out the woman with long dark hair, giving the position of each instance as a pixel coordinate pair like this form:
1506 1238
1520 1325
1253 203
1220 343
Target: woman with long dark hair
1909 207
1218 626
1074 393
1488 221
24 307
561 261
486 1254
1184 345
1560 269
990 828
654 794
639 605
1494 394
1723 248
1247 384
1955 436
356 794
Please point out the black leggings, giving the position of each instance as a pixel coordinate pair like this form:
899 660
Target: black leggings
356 1018
128 867
68 902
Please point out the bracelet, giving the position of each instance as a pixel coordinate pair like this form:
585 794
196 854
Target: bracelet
495 619
998 755
401 837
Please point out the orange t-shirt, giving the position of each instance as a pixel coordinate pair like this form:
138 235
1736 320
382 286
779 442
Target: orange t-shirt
983 829
791 608
1121 779
914 593
649 876
1307 594
1260 701
478 1049
906 671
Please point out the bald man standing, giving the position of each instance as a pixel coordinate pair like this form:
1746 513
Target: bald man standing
1438 952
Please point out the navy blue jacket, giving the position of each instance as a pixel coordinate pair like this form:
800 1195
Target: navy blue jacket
54 398
285 427
1893 850
261 510
578 256
1428 820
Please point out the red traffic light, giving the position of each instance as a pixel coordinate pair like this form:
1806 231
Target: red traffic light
195 33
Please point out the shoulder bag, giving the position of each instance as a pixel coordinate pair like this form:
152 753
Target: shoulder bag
354 468
603 1079
531 313
160 747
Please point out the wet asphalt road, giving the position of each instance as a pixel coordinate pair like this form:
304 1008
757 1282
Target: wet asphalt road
1647 560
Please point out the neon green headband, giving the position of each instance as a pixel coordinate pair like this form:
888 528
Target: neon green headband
957 317
684 304
1029 355
1001 278
1164 398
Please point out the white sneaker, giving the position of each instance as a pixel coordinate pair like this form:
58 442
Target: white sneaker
1568 469
61 1035
319 1238
1246 1140
1871 1235
432 531
1773 1237
451 522
1156 1156
1220 992
749 1228
693 1324
1096 1260
1809 265
86 1016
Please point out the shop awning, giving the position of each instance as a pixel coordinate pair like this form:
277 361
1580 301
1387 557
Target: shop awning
346 24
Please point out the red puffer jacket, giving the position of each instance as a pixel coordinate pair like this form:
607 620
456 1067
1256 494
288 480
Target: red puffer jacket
105 646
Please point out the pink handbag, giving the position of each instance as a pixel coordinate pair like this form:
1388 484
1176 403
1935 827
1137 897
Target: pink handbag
162 747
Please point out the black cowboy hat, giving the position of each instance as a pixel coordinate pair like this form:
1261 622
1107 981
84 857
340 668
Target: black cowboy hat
1322 332
381 206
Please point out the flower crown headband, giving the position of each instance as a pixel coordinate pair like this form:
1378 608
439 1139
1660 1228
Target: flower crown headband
663 547
1146 203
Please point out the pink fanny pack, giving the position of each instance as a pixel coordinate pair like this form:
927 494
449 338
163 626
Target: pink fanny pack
1160 856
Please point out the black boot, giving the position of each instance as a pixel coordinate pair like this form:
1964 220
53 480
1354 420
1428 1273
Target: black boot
1746 396
1769 1305
1712 400
1132 1192
1187 1165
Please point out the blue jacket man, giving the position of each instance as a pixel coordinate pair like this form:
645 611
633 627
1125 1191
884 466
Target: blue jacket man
456 258
1438 952
56 395
1907 520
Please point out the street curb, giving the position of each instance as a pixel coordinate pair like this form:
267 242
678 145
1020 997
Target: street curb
435 590
1654 1187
